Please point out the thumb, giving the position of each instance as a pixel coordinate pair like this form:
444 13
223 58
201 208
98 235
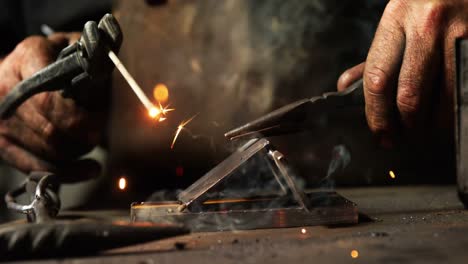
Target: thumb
350 76
63 39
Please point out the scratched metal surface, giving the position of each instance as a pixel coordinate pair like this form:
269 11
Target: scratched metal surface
411 225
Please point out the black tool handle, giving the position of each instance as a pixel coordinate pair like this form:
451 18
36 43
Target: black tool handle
68 238
51 78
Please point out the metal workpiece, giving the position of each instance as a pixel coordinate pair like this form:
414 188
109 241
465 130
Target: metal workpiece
77 69
195 194
251 189
319 112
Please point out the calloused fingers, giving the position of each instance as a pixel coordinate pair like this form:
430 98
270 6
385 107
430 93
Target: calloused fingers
45 135
64 38
20 158
60 113
62 142
17 131
382 69
350 76
421 62
26 162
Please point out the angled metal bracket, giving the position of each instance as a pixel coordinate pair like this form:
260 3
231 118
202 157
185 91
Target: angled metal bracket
265 194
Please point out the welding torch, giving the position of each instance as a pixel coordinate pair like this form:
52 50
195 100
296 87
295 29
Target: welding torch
78 66
316 113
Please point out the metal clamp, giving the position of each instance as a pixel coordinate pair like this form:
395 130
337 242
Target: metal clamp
45 203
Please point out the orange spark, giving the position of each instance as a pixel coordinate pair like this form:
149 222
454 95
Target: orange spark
160 112
179 129
392 174
354 253
122 183
303 231
164 110
161 92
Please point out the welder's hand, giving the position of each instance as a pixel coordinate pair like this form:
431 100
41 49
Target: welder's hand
409 72
48 131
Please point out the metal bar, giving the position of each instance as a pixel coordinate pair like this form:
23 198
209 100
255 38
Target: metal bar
296 192
219 173
131 81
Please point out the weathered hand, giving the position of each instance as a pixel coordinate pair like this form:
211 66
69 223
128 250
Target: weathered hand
409 73
47 132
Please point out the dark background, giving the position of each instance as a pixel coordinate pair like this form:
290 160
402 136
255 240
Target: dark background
254 56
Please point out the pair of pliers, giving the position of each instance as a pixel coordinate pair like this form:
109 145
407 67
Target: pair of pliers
310 113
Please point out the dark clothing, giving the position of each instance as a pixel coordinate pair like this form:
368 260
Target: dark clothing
22 18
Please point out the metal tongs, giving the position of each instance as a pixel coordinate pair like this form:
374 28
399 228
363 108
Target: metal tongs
45 203
310 113
79 65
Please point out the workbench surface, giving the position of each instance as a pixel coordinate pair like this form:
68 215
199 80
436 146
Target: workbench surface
424 224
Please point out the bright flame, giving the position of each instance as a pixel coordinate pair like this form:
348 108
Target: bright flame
392 174
303 231
154 112
160 112
354 253
179 129
122 183
161 92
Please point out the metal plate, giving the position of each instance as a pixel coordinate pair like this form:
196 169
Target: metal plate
329 209
253 188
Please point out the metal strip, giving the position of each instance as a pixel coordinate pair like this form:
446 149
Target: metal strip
220 172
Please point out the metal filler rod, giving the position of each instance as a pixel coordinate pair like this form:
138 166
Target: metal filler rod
133 84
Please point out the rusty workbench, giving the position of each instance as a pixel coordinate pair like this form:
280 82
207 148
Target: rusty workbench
423 224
